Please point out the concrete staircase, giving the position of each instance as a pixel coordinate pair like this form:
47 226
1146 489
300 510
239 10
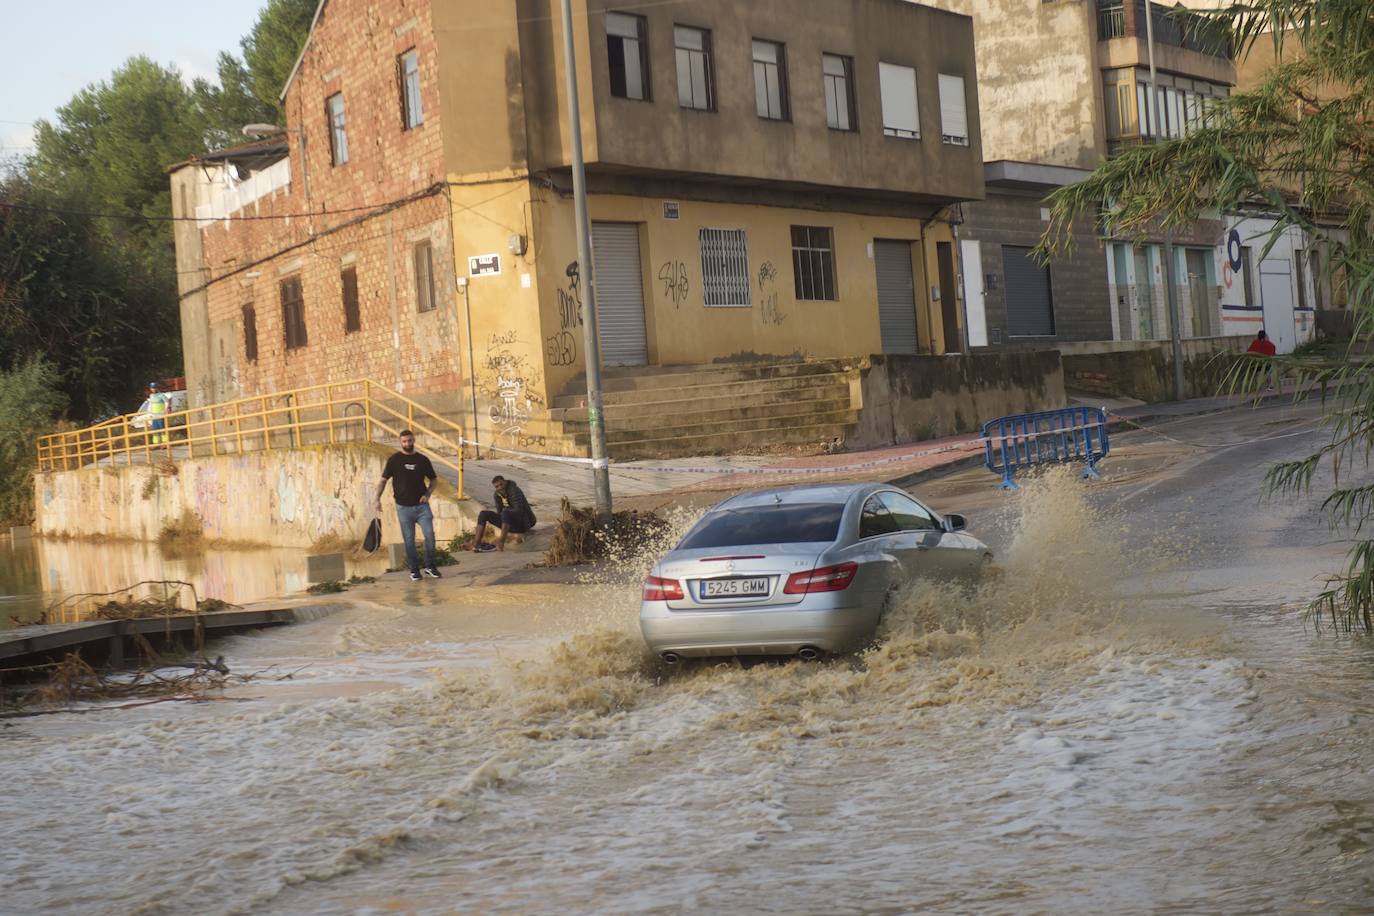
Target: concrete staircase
712 410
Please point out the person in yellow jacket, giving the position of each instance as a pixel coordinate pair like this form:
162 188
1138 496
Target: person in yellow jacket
157 409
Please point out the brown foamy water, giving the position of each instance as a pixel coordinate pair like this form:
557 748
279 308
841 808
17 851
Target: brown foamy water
1060 738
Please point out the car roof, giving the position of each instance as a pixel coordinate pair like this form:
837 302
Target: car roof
812 493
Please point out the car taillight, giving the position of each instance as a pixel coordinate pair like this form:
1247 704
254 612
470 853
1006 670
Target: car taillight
826 579
656 589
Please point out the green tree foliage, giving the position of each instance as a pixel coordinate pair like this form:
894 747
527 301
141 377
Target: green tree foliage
1302 142
97 297
30 404
271 48
99 321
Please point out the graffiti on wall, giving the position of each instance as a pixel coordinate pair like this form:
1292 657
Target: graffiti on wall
570 300
211 499
560 349
509 384
676 286
771 312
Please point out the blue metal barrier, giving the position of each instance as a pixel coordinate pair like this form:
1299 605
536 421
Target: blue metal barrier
1049 437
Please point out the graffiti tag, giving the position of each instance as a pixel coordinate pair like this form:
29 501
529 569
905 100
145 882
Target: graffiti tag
673 275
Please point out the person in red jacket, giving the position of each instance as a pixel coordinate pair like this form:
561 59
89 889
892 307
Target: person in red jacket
1262 345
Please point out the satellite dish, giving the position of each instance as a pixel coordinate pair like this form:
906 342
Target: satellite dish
258 131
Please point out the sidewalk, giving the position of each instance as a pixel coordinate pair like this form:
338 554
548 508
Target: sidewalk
547 482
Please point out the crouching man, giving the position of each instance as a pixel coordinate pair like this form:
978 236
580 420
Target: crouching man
513 514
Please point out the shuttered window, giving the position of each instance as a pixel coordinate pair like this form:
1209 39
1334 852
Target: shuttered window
953 110
901 118
338 132
424 276
725 268
348 278
293 313
250 333
408 69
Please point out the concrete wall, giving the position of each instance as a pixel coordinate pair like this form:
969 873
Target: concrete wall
910 398
1037 57
1078 281
657 134
283 498
1144 369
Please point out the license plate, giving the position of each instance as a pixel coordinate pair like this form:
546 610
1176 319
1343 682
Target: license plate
733 588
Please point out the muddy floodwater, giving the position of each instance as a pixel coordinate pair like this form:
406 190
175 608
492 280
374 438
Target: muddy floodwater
36 573
1131 718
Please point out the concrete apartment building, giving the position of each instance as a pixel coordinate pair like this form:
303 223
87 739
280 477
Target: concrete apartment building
767 180
1063 85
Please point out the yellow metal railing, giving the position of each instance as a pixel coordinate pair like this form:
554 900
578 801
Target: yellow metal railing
355 411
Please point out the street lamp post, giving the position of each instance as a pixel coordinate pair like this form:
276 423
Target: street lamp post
1175 331
596 423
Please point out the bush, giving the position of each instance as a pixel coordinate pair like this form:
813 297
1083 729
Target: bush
30 404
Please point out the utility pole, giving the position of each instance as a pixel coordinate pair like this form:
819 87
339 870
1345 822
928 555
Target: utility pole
1175 331
591 344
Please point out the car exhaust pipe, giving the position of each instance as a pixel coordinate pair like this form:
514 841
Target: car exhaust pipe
808 653
670 658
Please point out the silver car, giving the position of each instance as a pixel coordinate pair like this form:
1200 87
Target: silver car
798 571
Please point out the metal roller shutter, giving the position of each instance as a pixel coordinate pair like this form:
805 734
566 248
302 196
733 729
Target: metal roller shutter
619 294
896 296
1030 308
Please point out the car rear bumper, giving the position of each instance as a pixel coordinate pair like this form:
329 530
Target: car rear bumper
756 631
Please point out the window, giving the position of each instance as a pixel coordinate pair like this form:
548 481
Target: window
695 87
1147 119
408 69
808 523
875 520
1245 271
898 87
813 262
839 91
627 55
293 313
725 268
908 513
424 276
352 319
250 333
1300 274
770 80
953 110
338 136
1120 110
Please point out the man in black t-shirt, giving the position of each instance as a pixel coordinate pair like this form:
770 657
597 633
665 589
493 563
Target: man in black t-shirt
412 481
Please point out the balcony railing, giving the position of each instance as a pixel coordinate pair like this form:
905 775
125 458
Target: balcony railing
1111 19
1175 28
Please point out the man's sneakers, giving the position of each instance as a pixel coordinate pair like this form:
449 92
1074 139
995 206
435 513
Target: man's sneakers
432 572
414 575
485 548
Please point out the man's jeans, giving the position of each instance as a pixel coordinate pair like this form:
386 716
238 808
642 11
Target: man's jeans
409 517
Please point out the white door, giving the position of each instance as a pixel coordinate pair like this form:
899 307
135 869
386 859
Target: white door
975 315
619 294
1276 296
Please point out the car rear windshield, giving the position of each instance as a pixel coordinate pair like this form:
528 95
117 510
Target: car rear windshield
805 523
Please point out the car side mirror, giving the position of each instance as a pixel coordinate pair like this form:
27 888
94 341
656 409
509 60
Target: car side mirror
955 522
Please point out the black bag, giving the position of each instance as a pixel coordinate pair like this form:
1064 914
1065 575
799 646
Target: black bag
373 539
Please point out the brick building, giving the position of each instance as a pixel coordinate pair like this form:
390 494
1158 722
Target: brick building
767 181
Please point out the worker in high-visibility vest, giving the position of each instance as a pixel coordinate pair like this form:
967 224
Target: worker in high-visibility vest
157 408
